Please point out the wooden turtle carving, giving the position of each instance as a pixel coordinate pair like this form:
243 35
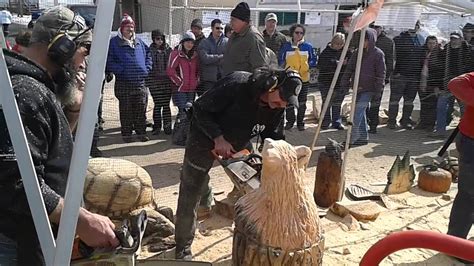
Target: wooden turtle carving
119 188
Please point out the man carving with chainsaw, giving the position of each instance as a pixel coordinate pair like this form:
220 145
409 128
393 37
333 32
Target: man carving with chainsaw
46 87
222 122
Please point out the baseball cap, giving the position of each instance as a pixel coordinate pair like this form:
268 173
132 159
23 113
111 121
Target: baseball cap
59 19
455 34
271 16
290 86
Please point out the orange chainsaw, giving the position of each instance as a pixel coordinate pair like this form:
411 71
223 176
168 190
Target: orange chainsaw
243 169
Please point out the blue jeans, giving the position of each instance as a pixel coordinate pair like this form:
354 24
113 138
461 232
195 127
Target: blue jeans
7 251
359 126
460 219
442 111
333 113
180 99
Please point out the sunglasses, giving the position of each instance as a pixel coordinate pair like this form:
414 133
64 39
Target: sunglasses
299 32
219 28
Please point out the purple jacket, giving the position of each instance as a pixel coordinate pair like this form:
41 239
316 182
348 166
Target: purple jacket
372 71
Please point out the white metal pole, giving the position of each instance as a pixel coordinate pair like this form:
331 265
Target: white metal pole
170 21
353 107
85 130
299 11
333 82
25 164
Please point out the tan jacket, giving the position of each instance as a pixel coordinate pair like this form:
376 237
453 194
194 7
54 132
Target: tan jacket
245 51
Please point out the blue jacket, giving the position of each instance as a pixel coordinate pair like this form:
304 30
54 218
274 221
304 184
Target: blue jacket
211 57
300 58
129 65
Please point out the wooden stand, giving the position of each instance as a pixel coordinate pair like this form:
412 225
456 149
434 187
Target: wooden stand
246 251
328 180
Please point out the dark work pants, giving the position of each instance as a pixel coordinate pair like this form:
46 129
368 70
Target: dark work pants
333 113
461 218
132 108
401 86
101 101
373 110
194 187
161 93
290 111
428 101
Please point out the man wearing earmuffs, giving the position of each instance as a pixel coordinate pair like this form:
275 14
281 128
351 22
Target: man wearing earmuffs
222 121
45 84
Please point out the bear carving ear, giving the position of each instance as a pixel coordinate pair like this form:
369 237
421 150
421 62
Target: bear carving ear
269 153
303 154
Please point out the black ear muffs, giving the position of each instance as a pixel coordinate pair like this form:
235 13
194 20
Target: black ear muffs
61 48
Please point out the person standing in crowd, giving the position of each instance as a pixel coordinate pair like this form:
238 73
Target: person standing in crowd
457 57
45 82
273 38
22 40
299 56
246 48
228 31
327 64
431 80
460 219
222 122
160 84
6 19
196 29
405 78
386 45
468 33
371 82
183 70
211 56
129 59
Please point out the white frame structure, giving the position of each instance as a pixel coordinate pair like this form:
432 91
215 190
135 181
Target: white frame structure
59 252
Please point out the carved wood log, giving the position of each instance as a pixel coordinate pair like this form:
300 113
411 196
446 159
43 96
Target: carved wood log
247 251
328 180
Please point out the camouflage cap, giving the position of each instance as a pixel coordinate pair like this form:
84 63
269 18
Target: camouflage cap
59 19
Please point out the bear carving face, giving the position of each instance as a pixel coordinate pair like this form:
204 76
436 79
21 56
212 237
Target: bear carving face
282 159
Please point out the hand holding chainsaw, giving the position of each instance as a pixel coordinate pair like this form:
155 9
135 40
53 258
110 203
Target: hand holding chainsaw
223 148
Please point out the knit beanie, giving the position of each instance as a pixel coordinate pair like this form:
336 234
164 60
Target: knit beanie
188 36
241 11
156 34
126 20
196 23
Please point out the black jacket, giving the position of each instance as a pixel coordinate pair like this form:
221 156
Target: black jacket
160 57
327 64
386 45
457 61
231 108
408 56
49 138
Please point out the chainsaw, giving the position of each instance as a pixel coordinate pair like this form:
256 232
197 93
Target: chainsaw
243 169
130 235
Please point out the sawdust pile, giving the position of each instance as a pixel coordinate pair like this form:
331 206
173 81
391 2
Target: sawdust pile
282 212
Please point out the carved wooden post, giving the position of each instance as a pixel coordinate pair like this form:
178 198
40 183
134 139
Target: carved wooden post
328 176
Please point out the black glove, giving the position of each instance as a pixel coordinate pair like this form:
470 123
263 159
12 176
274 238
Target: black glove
109 77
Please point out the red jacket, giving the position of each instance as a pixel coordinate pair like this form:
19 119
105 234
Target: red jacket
463 88
183 71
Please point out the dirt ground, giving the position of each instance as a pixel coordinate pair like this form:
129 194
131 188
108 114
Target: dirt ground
367 166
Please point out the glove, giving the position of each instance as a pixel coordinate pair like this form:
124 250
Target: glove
109 77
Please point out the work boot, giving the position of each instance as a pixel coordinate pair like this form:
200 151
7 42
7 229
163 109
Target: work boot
288 126
373 130
143 138
183 254
95 152
168 130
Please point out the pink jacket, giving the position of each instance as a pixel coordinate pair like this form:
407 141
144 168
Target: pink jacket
183 71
